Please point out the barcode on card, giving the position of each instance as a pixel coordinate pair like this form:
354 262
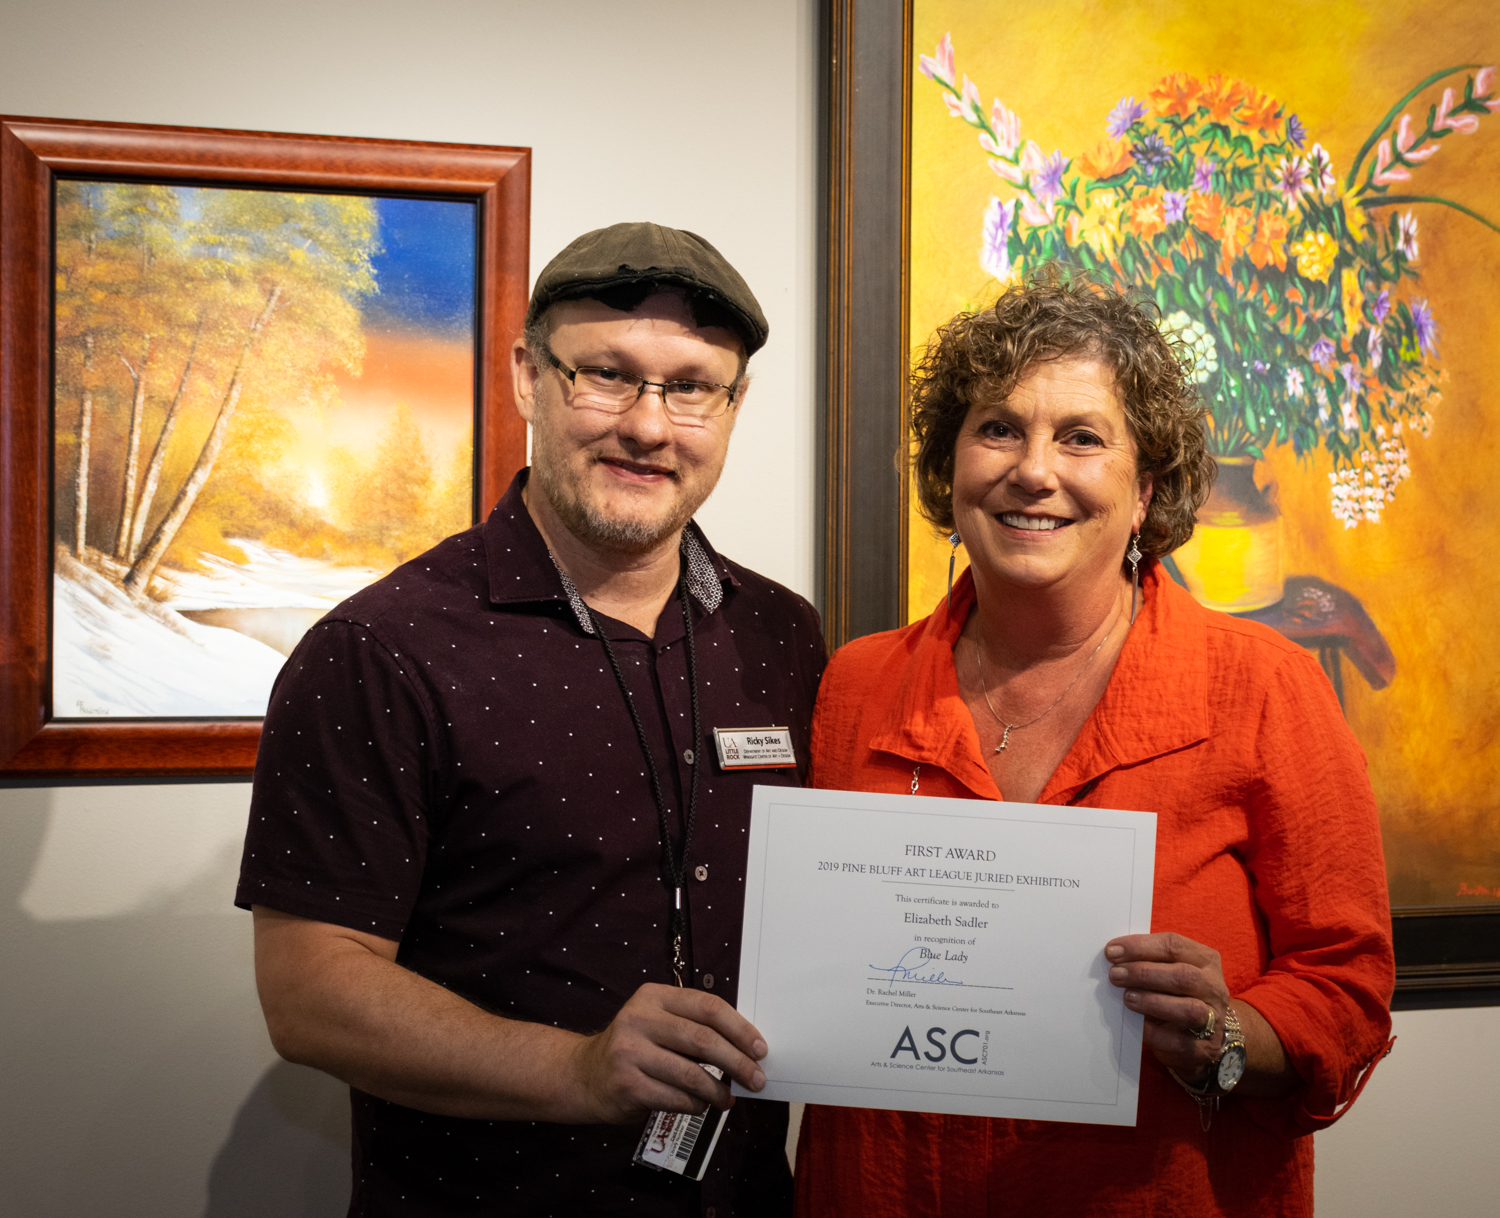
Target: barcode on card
690 1138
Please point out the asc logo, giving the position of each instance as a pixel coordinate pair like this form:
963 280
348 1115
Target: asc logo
909 1045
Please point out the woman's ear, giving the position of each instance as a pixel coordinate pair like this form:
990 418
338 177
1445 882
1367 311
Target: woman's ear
1147 487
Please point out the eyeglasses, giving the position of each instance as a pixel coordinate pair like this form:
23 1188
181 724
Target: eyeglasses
616 392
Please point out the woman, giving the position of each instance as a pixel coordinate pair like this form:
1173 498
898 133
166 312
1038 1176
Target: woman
1058 437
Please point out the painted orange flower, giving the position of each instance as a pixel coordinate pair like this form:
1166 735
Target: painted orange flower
1235 233
1207 212
1146 218
1109 158
1176 94
1221 96
1269 246
1262 112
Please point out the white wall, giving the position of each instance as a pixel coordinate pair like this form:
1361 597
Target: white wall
135 1074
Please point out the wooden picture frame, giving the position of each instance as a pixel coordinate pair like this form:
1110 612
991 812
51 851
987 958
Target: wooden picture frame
34 153
1445 956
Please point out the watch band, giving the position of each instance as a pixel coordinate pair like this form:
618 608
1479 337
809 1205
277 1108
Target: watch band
1224 1074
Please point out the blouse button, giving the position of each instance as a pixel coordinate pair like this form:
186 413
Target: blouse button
700 872
708 981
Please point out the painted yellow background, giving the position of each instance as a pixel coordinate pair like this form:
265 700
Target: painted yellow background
1429 572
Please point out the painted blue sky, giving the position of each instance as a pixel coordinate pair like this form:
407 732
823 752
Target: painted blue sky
426 269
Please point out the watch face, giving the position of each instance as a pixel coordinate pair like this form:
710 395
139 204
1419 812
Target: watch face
1231 1066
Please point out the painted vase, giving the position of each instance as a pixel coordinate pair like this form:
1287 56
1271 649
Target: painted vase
1233 561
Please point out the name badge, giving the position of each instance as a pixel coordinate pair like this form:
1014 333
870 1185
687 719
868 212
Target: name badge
754 748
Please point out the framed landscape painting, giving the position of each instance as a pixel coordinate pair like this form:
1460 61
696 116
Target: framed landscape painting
246 375
1313 203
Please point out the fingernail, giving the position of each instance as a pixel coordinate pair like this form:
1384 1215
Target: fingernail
759 1049
1132 997
1114 952
1118 973
757 1080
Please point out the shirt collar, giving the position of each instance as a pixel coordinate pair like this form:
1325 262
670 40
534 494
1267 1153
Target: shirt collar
522 569
1156 701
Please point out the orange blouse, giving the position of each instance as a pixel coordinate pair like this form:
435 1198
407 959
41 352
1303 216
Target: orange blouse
1267 849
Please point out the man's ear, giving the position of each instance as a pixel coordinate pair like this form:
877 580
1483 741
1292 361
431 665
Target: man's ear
739 398
524 375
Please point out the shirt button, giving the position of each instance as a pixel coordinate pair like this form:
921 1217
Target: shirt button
708 981
687 756
700 872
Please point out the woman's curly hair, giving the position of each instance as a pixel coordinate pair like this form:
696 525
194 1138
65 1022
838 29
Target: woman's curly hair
978 358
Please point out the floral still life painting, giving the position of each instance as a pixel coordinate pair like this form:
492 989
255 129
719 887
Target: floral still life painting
262 402
1316 239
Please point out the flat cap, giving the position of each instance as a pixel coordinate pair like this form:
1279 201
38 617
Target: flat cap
643 252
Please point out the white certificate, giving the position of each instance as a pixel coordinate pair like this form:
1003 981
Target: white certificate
944 955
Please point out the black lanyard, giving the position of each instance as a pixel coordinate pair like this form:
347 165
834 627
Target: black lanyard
674 867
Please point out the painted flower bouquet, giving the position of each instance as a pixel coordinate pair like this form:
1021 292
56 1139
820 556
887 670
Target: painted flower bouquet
1297 293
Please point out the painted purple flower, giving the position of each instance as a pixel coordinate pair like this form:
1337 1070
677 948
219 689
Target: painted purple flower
1123 117
1295 131
1381 309
1426 325
1350 373
1046 179
1322 352
994 247
1151 153
1291 178
1203 176
1260 368
1174 206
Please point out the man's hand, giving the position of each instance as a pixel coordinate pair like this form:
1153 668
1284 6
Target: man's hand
336 999
647 1058
1175 982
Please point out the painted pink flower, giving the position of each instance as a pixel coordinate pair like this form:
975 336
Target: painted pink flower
1404 139
1464 124
1007 125
1037 217
967 107
1008 170
1482 84
1385 172
939 68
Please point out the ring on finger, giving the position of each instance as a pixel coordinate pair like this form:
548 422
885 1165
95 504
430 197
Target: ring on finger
1207 1030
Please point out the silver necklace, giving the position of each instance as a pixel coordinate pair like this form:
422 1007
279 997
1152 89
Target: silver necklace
1016 727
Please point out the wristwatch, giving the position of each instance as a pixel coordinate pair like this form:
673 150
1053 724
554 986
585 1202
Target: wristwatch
1227 1070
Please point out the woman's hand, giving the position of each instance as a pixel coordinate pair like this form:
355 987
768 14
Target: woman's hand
1175 982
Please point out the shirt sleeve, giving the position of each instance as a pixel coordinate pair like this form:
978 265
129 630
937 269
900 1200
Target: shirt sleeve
344 781
1319 872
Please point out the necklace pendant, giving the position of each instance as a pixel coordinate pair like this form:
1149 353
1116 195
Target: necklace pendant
1004 740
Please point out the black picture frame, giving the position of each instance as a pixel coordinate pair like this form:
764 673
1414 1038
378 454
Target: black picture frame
1445 956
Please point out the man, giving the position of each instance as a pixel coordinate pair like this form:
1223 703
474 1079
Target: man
495 860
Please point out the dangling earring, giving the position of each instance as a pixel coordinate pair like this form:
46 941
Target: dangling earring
1133 556
952 555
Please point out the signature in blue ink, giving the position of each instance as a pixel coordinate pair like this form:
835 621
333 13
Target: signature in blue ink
901 971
